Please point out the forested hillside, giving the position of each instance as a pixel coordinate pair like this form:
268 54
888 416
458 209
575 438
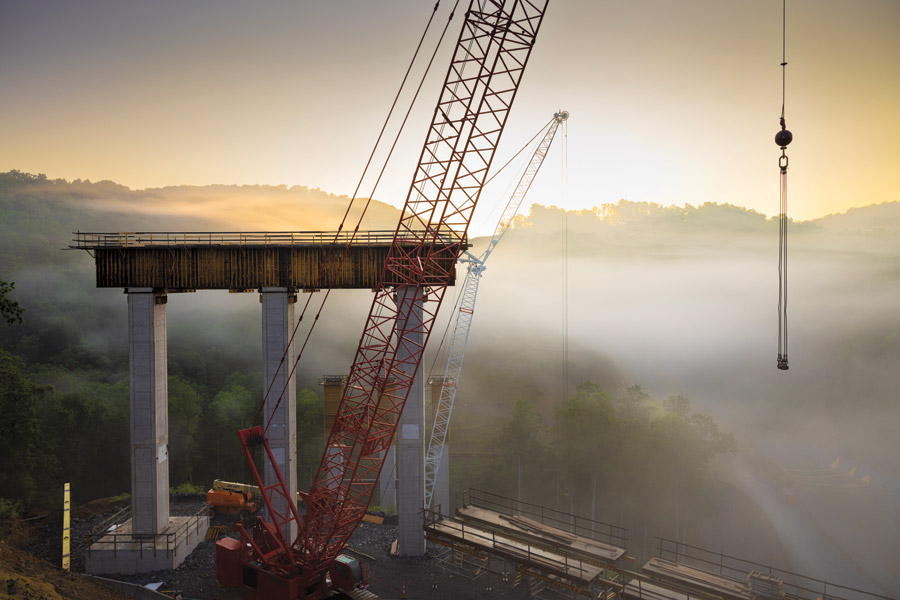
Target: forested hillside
65 367
667 321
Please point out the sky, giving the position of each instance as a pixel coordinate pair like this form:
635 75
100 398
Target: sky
671 101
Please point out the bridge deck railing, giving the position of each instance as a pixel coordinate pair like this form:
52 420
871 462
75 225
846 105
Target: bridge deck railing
83 240
583 526
794 585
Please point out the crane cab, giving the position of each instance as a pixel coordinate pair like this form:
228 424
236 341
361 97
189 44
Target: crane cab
347 574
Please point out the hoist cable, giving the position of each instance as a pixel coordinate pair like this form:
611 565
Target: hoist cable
352 237
458 300
565 265
371 194
782 275
782 139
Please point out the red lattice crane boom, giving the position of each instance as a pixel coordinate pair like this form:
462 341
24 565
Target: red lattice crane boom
477 95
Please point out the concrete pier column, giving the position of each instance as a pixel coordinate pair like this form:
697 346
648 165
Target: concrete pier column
281 417
387 481
410 441
148 378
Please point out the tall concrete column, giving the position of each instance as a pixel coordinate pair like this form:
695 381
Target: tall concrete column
277 326
387 481
411 437
148 380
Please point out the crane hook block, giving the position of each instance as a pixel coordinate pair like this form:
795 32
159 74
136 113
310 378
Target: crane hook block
783 138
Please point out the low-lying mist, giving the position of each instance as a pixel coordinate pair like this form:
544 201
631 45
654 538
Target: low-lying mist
680 301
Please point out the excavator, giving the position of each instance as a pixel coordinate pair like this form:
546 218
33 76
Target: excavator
486 68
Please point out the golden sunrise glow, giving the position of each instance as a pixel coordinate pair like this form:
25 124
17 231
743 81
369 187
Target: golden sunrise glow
671 103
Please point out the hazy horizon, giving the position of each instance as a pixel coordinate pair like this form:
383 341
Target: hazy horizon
669 102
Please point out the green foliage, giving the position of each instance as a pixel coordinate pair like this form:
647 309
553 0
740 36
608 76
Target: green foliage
310 435
87 432
185 411
9 308
9 509
187 488
20 447
678 405
631 451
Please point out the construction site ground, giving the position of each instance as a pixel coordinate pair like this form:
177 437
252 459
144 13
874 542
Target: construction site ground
196 577
741 524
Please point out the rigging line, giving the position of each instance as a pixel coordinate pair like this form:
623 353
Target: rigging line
565 149
565 267
347 213
344 220
522 149
782 272
453 313
362 215
457 301
405 312
782 139
783 54
498 205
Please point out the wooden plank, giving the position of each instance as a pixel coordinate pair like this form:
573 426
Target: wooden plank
545 536
518 551
642 590
696 580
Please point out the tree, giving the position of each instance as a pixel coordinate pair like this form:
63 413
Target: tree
678 405
9 308
87 432
587 434
19 431
185 409
310 435
232 409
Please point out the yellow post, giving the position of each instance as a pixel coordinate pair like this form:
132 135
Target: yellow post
66 537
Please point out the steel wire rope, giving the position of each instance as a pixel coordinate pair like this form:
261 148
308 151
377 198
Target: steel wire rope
368 202
408 306
512 183
565 261
456 302
782 139
353 235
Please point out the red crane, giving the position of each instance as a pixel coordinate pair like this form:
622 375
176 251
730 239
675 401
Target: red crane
478 92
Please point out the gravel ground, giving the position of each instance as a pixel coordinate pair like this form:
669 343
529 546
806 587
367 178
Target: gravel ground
196 577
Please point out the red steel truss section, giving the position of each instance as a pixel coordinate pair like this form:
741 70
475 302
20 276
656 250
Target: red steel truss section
267 538
486 69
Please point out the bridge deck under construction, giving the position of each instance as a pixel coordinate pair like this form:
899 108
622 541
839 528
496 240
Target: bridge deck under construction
534 545
696 580
240 261
589 550
637 589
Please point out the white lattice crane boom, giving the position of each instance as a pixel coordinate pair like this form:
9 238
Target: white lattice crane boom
460 336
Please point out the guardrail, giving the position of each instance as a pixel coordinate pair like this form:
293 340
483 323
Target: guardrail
520 551
104 536
794 585
598 530
138 239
